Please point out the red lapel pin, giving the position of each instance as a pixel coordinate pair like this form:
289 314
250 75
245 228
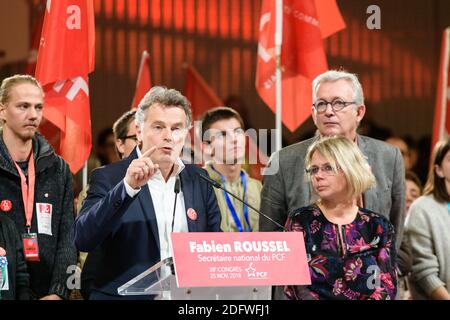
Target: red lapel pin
6 205
192 214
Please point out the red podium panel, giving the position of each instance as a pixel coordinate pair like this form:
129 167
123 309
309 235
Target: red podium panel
207 259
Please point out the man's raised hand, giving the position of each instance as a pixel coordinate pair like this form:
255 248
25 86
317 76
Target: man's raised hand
141 170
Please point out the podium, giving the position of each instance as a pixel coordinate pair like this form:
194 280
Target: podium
159 280
225 266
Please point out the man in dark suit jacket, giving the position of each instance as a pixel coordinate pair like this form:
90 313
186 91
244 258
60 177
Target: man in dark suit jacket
128 210
338 109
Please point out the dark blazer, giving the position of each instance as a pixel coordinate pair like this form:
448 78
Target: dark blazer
125 229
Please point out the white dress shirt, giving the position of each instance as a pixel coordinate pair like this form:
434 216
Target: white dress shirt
163 198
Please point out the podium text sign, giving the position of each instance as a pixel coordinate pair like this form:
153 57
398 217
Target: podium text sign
223 259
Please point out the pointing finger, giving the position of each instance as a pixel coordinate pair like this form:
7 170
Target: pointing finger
149 152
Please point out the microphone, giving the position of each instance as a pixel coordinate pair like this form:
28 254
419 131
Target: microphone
176 189
219 186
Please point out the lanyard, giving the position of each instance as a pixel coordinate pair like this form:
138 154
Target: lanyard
236 219
28 189
448 207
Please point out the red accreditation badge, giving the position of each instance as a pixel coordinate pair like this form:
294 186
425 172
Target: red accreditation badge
30 247
4 282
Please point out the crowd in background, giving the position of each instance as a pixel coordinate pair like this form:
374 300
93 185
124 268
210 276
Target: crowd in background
359 201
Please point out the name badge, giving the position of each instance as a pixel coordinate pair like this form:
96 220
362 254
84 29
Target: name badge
30 247
4 282
44 218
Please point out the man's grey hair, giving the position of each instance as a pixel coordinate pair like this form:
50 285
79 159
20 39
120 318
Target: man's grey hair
165 97
334 75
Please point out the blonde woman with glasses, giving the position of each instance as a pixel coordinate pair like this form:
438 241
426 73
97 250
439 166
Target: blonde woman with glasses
351 250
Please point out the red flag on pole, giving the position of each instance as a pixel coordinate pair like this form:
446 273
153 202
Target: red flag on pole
202 98
329 16
441 124
66 57
302 54
144 82
199 93
48 129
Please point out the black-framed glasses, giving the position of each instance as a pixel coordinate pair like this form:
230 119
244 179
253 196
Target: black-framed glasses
132 137
336 105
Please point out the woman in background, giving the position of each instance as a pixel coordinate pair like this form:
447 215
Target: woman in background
428 231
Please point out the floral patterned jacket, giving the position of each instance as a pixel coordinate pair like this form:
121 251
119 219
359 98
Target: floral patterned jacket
353 261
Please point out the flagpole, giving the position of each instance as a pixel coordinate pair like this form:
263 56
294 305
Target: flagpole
278 42
85 174
445 84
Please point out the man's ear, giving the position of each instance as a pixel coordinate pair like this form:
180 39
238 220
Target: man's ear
314 116
119 147
360 112
206 148
138 132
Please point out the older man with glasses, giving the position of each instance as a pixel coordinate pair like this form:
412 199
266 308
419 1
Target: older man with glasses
338 109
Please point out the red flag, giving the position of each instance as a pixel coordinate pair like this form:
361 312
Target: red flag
199 93
302 54
48 129
441 124
144 82
202 98
66 57
329 17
